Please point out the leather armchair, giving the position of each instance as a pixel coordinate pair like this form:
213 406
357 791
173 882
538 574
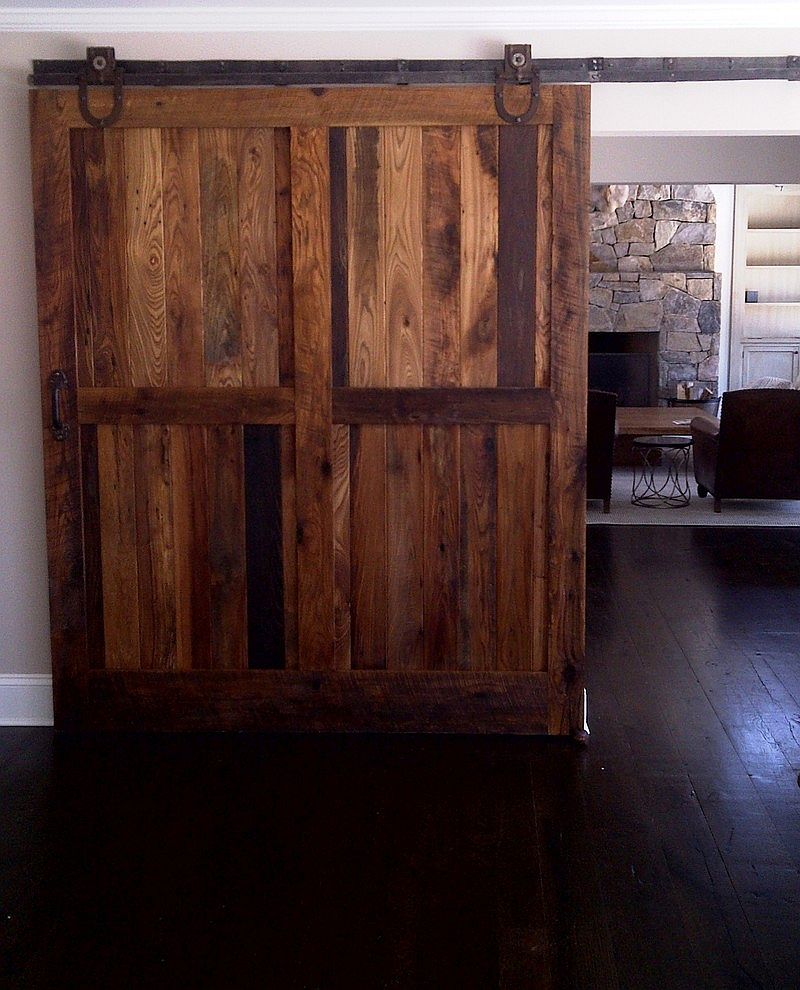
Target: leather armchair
754 452
600 432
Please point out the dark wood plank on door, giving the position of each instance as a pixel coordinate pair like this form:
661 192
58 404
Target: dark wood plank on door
312 376
263 535
516 260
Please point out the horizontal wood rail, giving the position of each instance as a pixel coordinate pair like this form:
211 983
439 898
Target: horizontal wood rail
441 405
137 406
364 700
453 406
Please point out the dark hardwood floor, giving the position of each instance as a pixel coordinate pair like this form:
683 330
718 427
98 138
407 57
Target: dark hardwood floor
665 854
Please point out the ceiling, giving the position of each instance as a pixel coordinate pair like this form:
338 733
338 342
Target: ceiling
640 16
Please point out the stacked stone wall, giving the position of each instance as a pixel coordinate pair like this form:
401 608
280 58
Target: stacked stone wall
652 270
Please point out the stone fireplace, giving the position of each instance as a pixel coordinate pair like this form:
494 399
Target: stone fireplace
652 272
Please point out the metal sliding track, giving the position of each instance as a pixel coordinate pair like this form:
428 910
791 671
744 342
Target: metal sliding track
421 72
518 68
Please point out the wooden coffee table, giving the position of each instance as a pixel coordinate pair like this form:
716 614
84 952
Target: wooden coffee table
642 421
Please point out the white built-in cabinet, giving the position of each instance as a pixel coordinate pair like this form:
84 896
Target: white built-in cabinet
765 334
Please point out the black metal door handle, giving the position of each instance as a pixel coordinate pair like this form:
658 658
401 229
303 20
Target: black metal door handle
57 381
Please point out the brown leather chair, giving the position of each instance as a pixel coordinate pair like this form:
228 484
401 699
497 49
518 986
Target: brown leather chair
600 431
754 452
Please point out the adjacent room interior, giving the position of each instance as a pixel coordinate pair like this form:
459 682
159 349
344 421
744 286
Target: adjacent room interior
323 661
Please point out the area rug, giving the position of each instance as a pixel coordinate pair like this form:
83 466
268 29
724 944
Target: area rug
699 512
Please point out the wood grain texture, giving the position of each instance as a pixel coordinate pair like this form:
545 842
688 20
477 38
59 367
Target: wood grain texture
87 291
263 536
568 356
515 535
219 220
333 701
341 546
289 517
190 534
540 446
544 258
283 253
312 340
145 257
52 200
478 347
402 236
405 548
516 260
118 545
92 552
441 162
441 566
226 542
155 548
340 285
258 258
368 546
183 262
186 405
345 106
441 405
365 269
113 368
478 532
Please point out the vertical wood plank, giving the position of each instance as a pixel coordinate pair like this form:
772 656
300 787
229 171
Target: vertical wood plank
312 340
544 249
289 517
52 199
109 347
118 545
405 545
257 258
441 546
568 357
441 162
478 256
155 547
516 260
540 446
219 213
145 257
340 304
190 534
117 369
92 554
341 544
367 319
403 242
183 263
515 486
86 289
263 534
402 234
478 599
283 251
368 541
226 523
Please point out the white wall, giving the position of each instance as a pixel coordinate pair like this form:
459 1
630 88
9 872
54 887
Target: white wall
682 109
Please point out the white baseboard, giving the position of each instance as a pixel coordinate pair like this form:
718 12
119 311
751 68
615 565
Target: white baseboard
26 699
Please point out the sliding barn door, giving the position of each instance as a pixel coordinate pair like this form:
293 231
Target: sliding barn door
320 457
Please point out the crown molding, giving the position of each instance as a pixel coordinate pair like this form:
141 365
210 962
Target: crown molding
520 19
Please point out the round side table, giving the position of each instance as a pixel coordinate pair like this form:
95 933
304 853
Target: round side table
662 480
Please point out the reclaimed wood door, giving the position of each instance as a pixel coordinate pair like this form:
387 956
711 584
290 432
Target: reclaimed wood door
324 355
